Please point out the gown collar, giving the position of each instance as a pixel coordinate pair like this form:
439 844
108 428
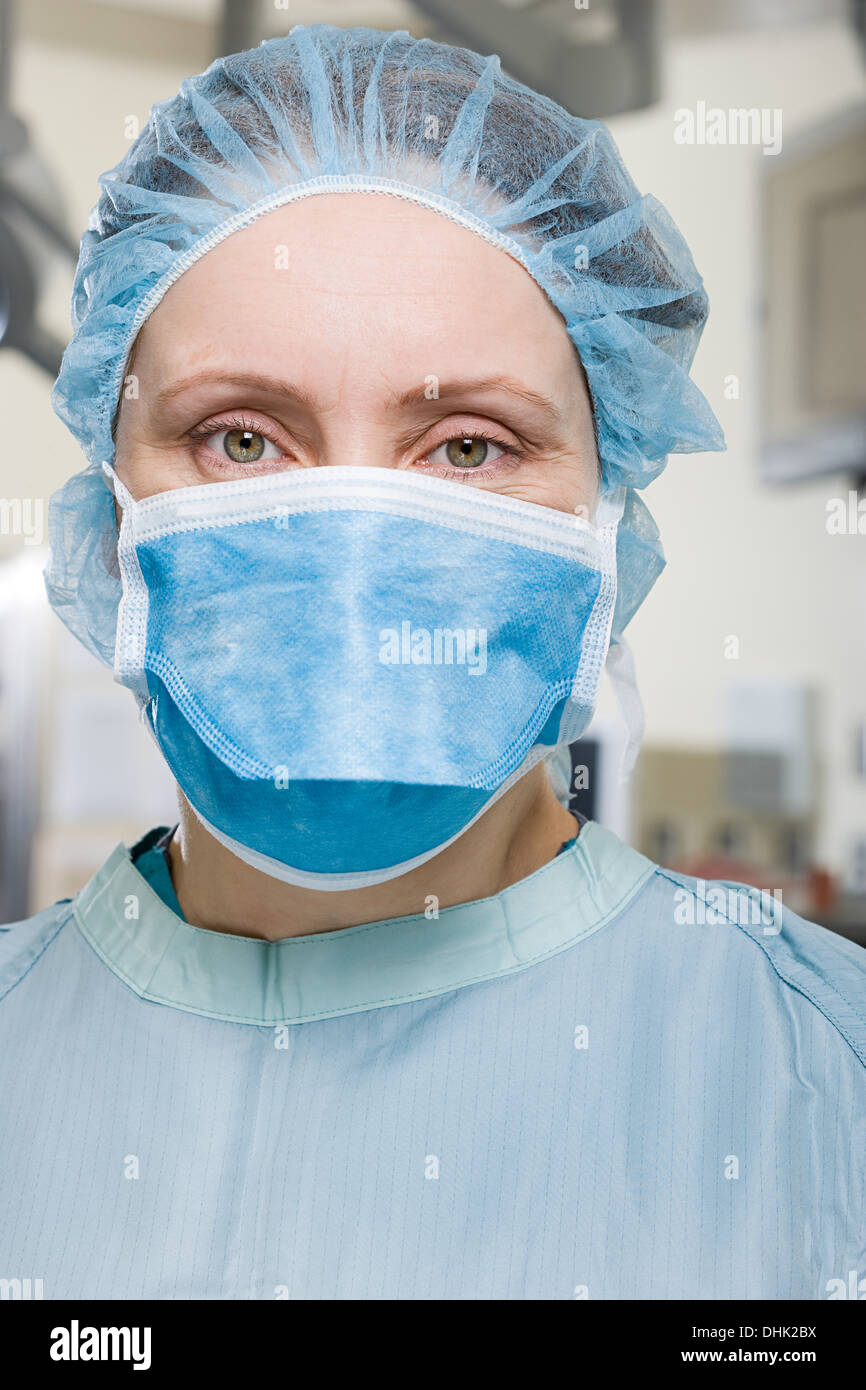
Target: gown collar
243 979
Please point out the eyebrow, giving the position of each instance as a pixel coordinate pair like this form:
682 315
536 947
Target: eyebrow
416 396
244 381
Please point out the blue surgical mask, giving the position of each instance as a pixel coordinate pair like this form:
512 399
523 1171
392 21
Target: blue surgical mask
344 667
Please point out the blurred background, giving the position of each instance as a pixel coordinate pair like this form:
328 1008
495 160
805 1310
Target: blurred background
748 121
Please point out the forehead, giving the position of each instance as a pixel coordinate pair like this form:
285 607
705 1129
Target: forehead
350 273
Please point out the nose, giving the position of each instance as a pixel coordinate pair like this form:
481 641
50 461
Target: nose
355 445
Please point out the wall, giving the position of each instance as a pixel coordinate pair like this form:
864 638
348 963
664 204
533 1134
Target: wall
744 559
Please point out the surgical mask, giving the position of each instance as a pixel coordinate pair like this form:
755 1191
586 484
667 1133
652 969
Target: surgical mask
345 667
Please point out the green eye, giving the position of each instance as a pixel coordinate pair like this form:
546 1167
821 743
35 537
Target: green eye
244 446
468 452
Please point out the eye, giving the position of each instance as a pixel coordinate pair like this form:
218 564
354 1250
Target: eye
467 451
242 445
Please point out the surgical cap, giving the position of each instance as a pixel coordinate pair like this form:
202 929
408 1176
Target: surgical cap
325 109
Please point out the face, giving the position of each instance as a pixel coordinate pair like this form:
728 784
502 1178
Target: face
359 330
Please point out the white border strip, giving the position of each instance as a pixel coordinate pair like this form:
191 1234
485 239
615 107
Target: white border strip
337 487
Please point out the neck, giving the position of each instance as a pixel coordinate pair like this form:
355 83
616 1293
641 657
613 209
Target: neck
219 892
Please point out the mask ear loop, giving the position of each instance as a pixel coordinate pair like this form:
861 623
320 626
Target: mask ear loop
623 677
119 488
619 661
131 638
558 764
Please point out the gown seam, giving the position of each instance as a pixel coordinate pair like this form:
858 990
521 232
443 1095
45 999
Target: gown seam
62 921
799 986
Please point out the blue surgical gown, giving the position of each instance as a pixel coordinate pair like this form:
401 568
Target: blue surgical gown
587 1086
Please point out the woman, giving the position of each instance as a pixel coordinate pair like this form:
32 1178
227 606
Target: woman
359 531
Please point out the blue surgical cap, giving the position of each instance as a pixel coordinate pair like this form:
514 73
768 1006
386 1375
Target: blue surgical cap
325 109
